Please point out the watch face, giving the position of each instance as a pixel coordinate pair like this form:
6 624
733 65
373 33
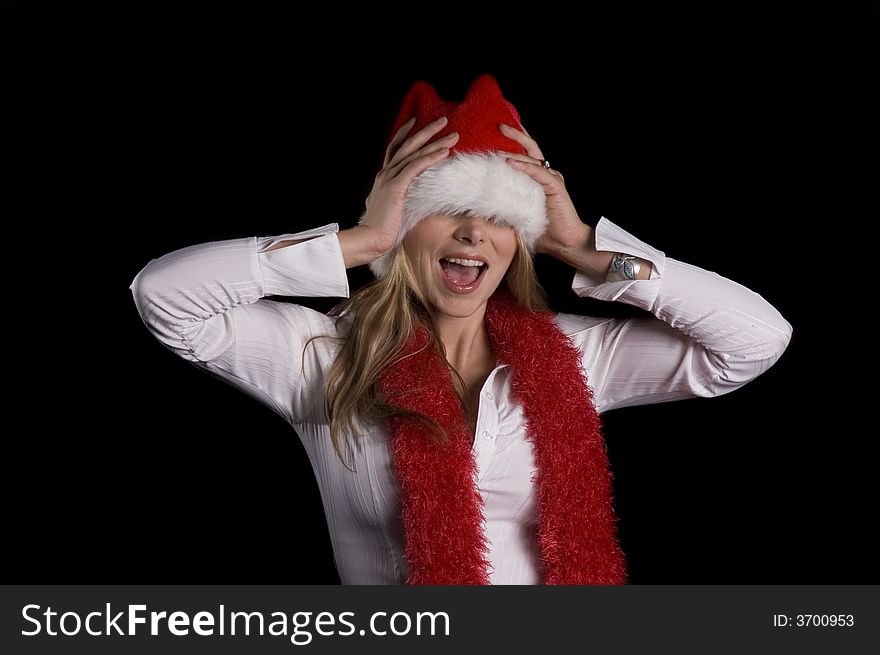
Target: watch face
625 267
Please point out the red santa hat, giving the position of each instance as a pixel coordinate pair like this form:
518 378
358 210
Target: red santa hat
473 179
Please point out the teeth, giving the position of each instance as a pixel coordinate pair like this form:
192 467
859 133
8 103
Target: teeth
463 262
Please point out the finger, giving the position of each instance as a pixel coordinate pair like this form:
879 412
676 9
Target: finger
398 139
529 160
549 179
520 157
524 140
419 164
417 140
445 142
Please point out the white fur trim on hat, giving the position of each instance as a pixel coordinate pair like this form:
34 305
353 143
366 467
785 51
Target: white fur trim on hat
477 183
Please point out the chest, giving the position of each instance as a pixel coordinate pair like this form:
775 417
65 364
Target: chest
503 454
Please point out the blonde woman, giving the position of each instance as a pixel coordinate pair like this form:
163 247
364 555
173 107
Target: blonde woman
452 419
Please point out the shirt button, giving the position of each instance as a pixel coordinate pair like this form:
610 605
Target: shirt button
487 435
489 395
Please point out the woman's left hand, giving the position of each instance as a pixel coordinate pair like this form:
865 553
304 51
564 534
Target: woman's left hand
565 229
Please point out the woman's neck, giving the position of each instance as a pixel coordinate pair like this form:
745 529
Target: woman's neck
466 339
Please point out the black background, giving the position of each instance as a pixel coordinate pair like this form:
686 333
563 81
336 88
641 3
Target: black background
734 137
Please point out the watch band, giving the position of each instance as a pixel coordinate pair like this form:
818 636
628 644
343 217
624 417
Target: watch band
623 267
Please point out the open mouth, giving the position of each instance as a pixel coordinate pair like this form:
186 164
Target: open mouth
462 275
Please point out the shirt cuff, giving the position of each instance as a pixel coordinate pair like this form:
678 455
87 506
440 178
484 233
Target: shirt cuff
312 268
613 238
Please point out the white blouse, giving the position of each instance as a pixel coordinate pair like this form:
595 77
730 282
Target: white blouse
707 336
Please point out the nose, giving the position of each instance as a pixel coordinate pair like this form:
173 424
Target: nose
471 230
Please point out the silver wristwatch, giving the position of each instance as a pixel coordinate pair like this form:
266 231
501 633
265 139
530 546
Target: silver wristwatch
623 267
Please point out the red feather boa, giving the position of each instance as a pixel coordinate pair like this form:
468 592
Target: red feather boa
441 504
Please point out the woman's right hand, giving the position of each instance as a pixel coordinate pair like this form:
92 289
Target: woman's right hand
405 158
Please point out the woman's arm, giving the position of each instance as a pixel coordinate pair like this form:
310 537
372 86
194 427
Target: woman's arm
584 256
708 335
206 304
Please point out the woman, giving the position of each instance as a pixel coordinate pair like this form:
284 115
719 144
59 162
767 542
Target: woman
469 412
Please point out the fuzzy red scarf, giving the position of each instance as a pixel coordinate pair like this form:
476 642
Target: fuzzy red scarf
441 504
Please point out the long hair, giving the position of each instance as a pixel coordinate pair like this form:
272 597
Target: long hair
383 315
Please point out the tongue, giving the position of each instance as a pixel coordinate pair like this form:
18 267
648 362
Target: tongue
460 274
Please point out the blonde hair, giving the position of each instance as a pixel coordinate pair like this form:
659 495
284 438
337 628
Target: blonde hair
384 314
